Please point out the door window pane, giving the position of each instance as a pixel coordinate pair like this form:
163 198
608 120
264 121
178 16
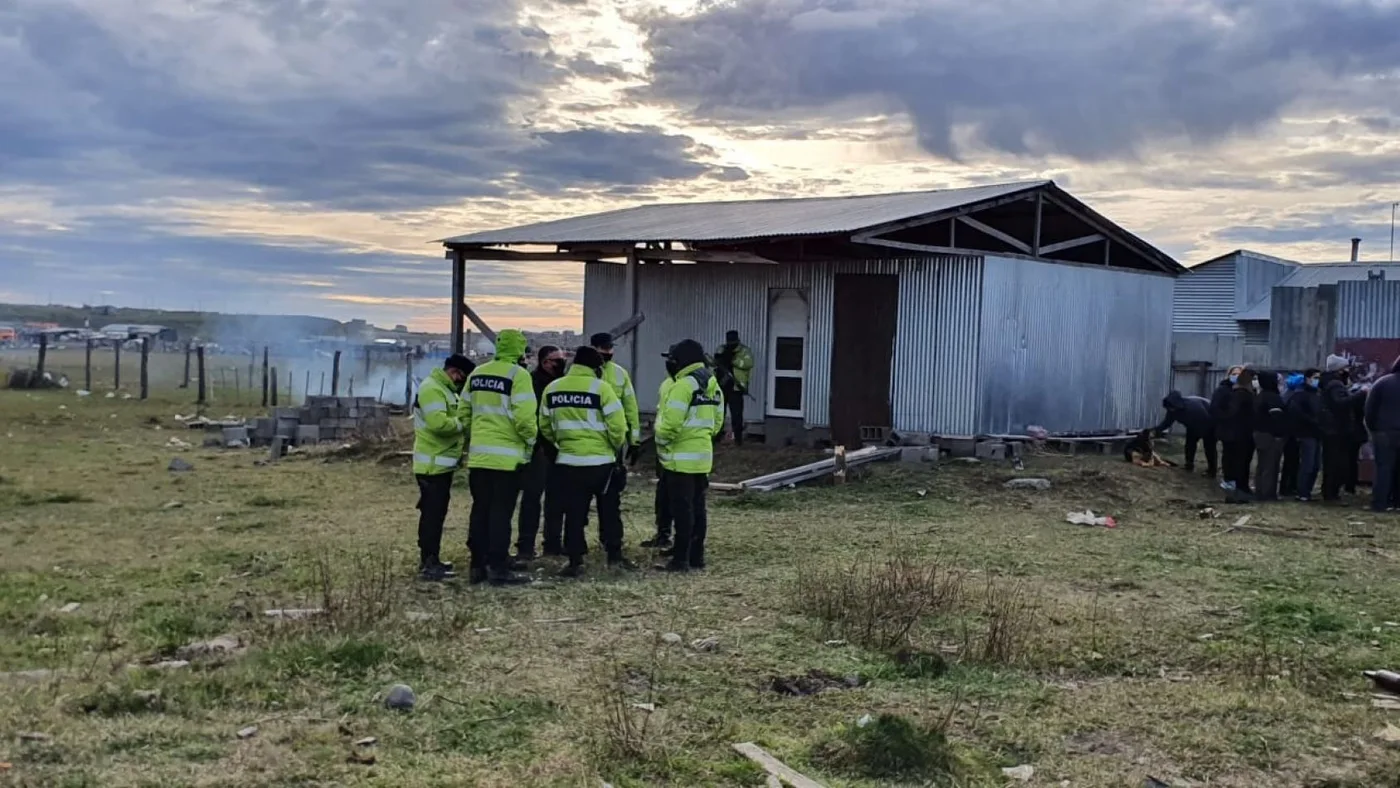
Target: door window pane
787 393
788 355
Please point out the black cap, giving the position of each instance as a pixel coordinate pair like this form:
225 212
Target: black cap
588 357
731 336
602 341
687 352
459 362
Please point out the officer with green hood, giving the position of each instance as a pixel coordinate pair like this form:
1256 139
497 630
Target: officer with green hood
438 438
500 411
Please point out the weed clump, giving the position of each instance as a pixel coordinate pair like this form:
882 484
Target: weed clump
890 747
877 602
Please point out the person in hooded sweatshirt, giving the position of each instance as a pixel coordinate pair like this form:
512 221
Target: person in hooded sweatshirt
1288 478
501 414
1338 427
535 484
1193 413
1383 423
1236 429
1270 434
1304 412
1219 404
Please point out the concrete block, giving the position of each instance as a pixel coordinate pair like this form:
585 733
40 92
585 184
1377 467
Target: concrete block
918 454
308 435
264 429
286 413
990 450
958 447
235 437
287 428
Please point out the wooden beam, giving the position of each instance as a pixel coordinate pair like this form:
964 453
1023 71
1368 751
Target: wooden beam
459 299
627 326
1107 247
1070 244
775 767
478 322
511 256
1036 251
938 216
630 280
1006 238
702 256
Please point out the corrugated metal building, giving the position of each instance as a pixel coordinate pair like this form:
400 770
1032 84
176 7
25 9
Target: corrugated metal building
953 312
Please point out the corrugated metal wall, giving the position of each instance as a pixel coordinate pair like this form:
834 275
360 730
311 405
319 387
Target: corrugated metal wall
1368 310
1072 348
1256 332
939 299
1302 326
1204 299
1254 277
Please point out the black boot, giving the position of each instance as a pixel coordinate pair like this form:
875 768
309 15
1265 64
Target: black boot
659 542
553 550
477 576
619 561
432 573
671 566
506 577
574 569
525 556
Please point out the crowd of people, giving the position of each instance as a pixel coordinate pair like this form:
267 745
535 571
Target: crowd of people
1278 432
558 439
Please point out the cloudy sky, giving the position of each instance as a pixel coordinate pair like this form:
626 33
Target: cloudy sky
301 155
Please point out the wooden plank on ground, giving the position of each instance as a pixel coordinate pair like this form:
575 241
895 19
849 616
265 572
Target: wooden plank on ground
775 767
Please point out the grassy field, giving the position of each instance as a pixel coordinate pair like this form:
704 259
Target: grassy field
983 631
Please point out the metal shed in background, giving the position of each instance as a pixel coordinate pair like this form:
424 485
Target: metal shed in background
953 312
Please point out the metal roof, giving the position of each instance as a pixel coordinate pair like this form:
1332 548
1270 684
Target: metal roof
743 219
1313 275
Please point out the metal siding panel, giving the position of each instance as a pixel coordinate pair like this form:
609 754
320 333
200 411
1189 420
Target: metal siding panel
1072 348
1255 277
939 304
604 297
1256 332
1203 300
1368 310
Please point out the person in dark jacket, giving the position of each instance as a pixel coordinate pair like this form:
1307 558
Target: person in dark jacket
549 367
1270 433
1236 429
1338 427
1219 403
1288 478
1304 413
1382 416
1193 413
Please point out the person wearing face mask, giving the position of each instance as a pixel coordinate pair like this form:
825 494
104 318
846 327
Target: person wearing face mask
438 437
1288 477
1270 433
662 505
1219 404
687 423
1382 416
535 485
613 373
1304 415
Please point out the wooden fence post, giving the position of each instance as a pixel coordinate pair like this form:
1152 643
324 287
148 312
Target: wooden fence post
352 385
87 365
43 353
117 366
186 384
272 383
145 367
322 388
335 374
199 361
264 377
306 387
408 380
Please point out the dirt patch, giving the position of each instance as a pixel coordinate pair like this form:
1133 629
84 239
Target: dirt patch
813 682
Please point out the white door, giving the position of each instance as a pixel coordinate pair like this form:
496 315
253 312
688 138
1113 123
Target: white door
787 351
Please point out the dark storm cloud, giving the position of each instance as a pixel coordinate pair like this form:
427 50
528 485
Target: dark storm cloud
354 104
1093 79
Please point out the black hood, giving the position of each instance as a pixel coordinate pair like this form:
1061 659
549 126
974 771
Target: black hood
1395 368
687 352
1268 381
1174 401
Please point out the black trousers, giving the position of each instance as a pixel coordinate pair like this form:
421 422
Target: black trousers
1352 470
534 488
1385 489
576 487
434 495
734 403
1334 466
686 492
1239 453
1207 439
1309 460
610 510
663 505
1270 450
493 507
1288 477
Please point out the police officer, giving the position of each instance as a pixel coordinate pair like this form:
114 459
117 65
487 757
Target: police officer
610 502
687 423
662 540
734 368
438 438
500 411
582 416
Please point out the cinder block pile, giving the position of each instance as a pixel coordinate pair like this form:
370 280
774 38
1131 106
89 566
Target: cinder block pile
323 419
